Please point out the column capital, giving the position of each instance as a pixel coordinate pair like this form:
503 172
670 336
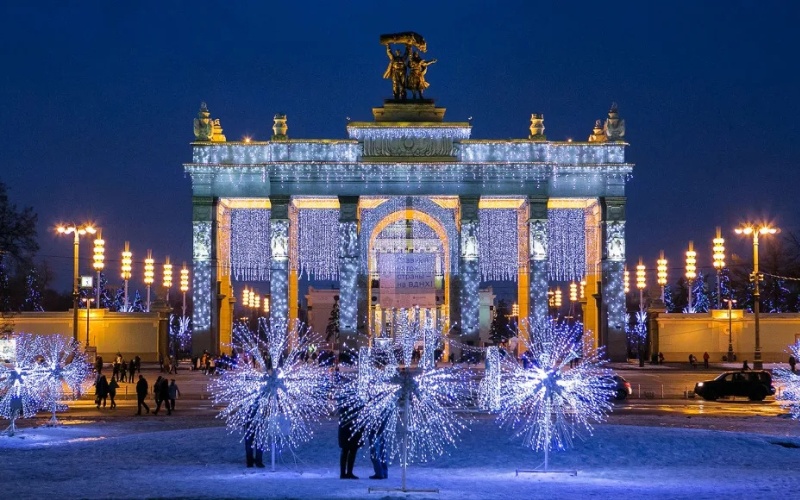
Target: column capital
537 207
612 208
280 206
348 208
469 207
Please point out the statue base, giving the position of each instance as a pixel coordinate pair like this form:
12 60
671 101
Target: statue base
408 110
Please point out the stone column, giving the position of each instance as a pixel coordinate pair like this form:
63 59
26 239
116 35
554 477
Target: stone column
279 260
469 272
204 280
537 263
612 293
349 259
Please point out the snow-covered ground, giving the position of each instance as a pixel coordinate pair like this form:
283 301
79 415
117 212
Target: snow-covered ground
194 457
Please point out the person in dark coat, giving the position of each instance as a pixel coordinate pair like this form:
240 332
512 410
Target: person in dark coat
254 455
131 371
161 390
792 363
138 364
98 364
174 392
349 442
112 392
101 391
141 394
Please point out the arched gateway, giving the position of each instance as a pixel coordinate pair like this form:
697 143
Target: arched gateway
408 210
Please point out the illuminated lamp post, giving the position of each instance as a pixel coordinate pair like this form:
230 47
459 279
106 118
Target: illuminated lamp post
626 281
167 276
691 271
88 302
755 277
661 276
99 261
719 261
641 282
184 286
730 328
127 262
149 274
77 231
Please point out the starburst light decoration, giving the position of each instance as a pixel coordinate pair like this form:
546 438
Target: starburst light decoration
412 409
556 392
60 364
790 382
272 395
19 391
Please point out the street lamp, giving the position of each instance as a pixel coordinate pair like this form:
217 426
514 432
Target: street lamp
719 261
748 229
557 298
98 261
640 282
88 307
730 328
184 285
149 274
167 276
77 231
626 281
691 271
661 276
127 261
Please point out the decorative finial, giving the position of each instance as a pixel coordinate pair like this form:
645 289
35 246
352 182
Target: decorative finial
218 136
597 132
614 127
279 127
203 125
537 127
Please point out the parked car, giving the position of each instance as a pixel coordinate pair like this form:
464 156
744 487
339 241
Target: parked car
753 384
621 387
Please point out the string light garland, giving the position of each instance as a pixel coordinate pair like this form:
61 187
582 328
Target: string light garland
250 244
566 249
497 243
318 245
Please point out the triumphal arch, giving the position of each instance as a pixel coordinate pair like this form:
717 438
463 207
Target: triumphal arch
409 211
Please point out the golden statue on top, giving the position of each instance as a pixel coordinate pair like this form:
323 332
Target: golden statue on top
406 69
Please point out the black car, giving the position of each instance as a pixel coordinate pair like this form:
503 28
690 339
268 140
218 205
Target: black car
753 384
622 388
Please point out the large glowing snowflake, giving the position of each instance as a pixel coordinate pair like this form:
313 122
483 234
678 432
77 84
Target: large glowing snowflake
273 394
556 391
59 363
19 394
413 409
790 382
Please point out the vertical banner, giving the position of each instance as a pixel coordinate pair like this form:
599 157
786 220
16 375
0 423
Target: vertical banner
407 280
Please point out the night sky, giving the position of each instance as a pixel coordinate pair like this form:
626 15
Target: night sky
97 101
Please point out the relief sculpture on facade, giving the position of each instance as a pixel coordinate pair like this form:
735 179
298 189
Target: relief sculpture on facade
615 240
537 231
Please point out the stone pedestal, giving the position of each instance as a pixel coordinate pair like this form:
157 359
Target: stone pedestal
416 110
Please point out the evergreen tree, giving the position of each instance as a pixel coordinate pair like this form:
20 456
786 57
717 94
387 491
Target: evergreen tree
669 302
137 305
332 329
700 301
106 301
33 300
501 329
119 300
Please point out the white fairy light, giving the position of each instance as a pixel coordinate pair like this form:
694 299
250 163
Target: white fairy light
489 387
250 244
497 243
59 363
272 395
20 389
790 382
562 391
566 251
318 246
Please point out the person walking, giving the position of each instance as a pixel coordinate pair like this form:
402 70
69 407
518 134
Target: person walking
349 442
138 364
112 392
101 391
253 455
705 359
123 371
174 392
378 454
745 366
161 391
141 394
131 371
792 362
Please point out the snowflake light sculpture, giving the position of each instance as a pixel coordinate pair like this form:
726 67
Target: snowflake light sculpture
59 362
555 393
411 410
790 382
19 394
274 396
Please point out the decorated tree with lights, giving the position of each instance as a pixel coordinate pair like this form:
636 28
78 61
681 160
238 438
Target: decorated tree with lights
561 395
275 398
410 410
181 332
332 329
790 382
19 385
33 286
60 364
700 301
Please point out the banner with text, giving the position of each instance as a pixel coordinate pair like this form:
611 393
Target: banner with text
407 279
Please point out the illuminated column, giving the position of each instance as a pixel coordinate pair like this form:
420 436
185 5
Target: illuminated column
349 259
613 316
204 279
469 272
279 260
537 258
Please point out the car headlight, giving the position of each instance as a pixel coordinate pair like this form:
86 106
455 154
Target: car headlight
699 384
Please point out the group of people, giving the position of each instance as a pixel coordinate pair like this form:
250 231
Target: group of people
121 371
693 359
165 391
